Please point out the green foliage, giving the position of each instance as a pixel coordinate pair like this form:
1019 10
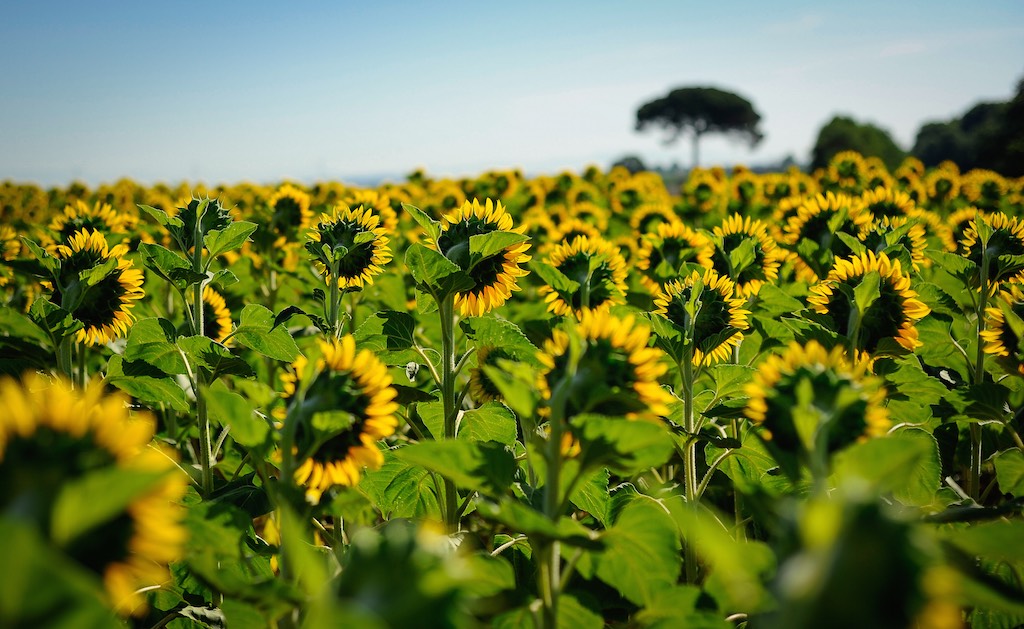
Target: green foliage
845 134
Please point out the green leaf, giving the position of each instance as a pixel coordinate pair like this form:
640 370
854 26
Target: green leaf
435 273
772 300
592 496
49 316
432 227
169 265
553 277
491 422
502 334
162 217
489 575
623 446
387 330
230 409
15 324
641 554
487 467
483 246
677 607
257 332
96 498
43 587
154 389
741 257
219 241
905 463
999 540
1010 472
152 341
47 261
401 490
517 384
867 291
538 527
204 352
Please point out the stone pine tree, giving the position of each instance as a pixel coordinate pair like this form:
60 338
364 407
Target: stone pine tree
697 111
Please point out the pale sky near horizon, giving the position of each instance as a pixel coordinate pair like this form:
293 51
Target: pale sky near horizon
261 91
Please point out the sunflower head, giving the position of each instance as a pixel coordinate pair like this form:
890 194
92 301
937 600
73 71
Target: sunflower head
745 253
614 371
817 221
496 276
983 188
79 216
289 210
812 400
646 218
380 204
10 247
887 202
904 233
347 409
598 270
747 190
1004 329
942 185
104 307
704 192
216 316
869 317
1005 237
703 309
663 254
847 171
352 241
52 435
481 387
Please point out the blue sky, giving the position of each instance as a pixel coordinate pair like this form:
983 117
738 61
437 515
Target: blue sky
262 91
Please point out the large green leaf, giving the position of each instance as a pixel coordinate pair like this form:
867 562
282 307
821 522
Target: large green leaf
483 246
905 463
491 422
58 321
220 241
502 334
387 330
553 277
208 354
434 273
257 332
432 227
1010 472
169 265
539 528
641 554
152 341
402 490
487 467
623 446
97 498
231 409
154 387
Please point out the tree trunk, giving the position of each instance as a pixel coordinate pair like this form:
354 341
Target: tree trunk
696 149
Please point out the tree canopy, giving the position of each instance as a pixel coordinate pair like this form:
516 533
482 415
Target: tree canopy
846 134
698 111
988 135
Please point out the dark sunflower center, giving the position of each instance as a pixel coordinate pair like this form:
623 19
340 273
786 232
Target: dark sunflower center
453 243
105 544
883 318
602 369
343 233
818 229
74 225
847 423
101 302
1002 242
712 318
576 267
287 213
336 391
674 251
885 208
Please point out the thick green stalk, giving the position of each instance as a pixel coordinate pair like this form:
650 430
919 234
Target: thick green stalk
334 305
446 310
689 456
80 375
202 419
974 486
64 357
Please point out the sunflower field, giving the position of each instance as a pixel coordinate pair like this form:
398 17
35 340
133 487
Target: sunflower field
781 400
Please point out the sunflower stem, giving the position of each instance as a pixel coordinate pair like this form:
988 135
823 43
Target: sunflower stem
64 357
974 485
446 310
80 375
549 577
202 419
334 307
689 455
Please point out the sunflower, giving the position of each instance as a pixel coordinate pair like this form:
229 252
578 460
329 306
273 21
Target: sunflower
1000 339
983 188
764 265
903 231
847 171
10 247
812 383
646 218
911 165
942 185
887 202
105 308
50 435
353 383
960 220
1007 239
589 212
704 192
719 321
481 387
569 230
599 270
378 202
584 192
289 210
617 373
494 277
216 316
747 190
626 195
79 216
891 315
819 219
663 252
355 236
